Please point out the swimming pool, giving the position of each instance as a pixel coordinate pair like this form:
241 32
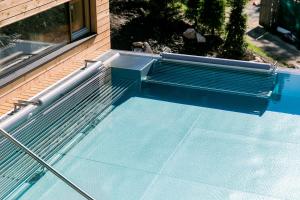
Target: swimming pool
165 142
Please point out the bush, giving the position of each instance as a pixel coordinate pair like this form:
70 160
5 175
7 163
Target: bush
193 11
164 9
235 45
212 15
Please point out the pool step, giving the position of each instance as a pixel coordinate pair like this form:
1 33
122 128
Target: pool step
256 83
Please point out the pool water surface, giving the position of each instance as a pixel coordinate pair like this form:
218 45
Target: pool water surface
168 143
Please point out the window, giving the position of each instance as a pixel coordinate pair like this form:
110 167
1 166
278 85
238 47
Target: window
27 40
79 17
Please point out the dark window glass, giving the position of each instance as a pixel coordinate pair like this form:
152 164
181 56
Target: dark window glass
27 39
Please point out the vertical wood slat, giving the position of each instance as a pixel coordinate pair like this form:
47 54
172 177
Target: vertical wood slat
37 80
268 13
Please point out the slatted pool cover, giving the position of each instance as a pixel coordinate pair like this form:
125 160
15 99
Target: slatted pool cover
50 130
200 76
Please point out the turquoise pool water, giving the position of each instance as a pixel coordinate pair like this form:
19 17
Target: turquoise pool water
177 144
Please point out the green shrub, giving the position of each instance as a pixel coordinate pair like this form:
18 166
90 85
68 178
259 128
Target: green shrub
212 15
193 11
164 9
235 45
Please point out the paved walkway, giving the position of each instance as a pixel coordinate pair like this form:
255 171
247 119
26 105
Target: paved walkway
272 44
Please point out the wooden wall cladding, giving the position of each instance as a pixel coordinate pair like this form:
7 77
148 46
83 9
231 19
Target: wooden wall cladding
15 10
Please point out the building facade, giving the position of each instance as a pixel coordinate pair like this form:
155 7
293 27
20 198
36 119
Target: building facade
42 41
283 13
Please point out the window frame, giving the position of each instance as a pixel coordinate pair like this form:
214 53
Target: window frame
34 58
87 18
76 38
41 60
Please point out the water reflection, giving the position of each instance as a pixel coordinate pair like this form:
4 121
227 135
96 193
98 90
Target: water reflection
285 98
286 95
236 103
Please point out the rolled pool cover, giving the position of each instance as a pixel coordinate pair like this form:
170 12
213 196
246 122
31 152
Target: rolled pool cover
49 97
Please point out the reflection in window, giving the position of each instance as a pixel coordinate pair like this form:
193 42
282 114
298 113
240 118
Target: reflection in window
79 18
32 36
77 15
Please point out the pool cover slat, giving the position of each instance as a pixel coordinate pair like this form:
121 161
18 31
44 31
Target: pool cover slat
248 83
49 131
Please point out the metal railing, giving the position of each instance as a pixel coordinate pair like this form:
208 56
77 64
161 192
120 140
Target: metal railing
49 129
44 164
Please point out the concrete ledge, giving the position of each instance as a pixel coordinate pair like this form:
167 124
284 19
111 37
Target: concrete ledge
218 61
